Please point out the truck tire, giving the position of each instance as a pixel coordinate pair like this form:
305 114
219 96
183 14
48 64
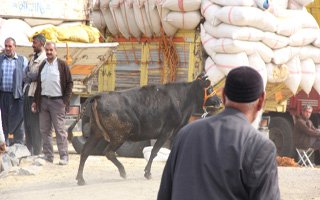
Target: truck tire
132 149
280 132
128 149
79 141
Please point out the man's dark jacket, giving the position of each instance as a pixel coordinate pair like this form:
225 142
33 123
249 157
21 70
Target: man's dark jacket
304 133
221 157
66 84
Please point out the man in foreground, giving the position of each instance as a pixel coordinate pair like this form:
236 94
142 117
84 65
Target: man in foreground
223 156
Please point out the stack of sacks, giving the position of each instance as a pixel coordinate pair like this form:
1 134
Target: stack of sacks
181 14
136 18
281 44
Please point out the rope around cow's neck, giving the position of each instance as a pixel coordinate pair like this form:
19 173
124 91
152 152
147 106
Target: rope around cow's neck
206 97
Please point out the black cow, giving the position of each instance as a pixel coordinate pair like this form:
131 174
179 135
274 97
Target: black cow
149 112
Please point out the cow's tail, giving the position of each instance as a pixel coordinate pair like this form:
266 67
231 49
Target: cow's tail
83 110
97 120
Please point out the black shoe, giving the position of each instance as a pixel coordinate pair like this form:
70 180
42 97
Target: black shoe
46 158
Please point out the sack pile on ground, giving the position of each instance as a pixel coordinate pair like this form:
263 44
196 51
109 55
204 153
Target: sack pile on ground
280 42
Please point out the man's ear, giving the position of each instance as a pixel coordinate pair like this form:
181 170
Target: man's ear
223 97
261 101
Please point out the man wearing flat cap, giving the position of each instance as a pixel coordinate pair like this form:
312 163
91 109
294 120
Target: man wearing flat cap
31 120
224 156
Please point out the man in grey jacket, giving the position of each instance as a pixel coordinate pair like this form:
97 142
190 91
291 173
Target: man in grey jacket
223 156
31 120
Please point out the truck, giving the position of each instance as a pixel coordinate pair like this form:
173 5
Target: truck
282 119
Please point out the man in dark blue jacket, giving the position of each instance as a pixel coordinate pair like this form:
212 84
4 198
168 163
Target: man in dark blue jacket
12 67
223 156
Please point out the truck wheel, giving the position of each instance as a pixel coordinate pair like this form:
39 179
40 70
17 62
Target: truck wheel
132 149
79 141
280 132
127 149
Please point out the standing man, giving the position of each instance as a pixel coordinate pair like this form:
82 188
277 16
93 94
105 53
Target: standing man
52 97
305 135
31 120
2 144
11 95
224 156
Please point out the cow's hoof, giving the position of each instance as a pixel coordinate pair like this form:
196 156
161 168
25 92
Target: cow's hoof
147 175
81 182
123 175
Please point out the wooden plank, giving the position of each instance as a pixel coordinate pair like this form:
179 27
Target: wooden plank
45 9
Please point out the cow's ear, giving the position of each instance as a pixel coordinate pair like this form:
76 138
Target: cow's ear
207 83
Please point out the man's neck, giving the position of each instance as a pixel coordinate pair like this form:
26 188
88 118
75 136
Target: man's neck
51 60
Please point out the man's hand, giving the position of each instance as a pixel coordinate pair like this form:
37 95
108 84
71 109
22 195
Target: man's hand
2 147
34 107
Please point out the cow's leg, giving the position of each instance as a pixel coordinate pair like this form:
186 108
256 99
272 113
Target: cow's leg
111 155
156 147
86 151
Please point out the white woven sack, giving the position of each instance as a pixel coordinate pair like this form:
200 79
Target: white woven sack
213 72
98 20
256 62
234 2
182 5
275 41
15 28
294 78
294 5
167 27
288 26
141 18
153 16
278 4
224 30
290 21
247 16
304 37
310 52
207 41
304 2
128 15
119 21
316 84
308 75
208 10
227 62
184 20
108 18
317 41
277 73
95 4
283 55
227 45
265 52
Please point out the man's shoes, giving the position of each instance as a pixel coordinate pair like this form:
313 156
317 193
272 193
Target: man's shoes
63 162
46 158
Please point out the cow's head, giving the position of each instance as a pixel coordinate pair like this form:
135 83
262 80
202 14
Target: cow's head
211 100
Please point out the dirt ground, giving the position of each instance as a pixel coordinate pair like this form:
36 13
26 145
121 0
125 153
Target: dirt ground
55 182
